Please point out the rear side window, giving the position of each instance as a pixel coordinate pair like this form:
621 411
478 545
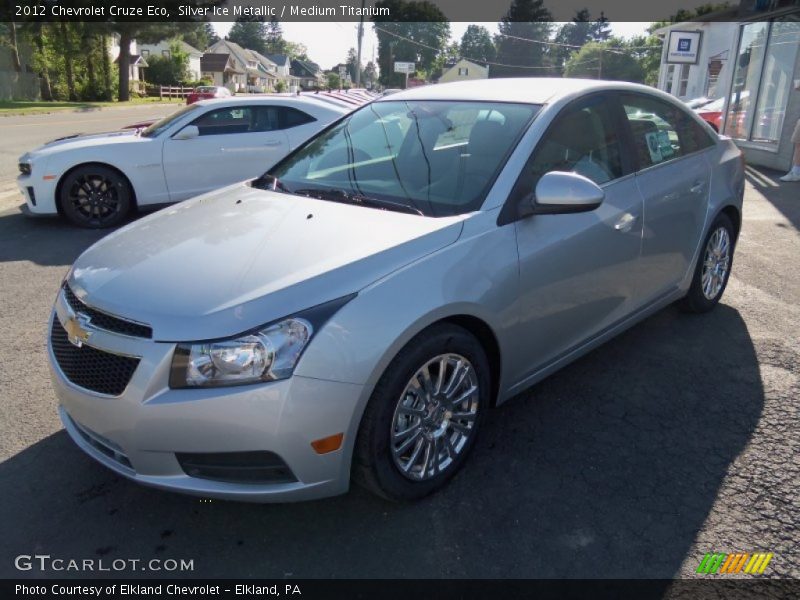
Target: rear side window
661 131
291 117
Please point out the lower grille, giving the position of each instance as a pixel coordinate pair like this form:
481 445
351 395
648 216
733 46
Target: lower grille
89 368
102 445
237 467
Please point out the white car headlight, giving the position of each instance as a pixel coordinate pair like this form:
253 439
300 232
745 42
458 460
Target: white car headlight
267 354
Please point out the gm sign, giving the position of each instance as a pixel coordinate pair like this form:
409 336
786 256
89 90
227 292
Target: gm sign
684 47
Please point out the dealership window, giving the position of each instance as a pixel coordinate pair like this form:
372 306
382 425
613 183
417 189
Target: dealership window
684 81
763 80
669 79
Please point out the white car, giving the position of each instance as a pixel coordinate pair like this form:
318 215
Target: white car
95 180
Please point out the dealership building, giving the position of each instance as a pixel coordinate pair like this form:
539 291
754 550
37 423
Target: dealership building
749 56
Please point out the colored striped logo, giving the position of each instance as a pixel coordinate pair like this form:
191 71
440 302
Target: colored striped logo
718 562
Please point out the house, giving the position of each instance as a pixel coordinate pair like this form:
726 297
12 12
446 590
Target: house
464 70
137 62
309 75
162 48
748 55
268 77
283 63
220 69
251 76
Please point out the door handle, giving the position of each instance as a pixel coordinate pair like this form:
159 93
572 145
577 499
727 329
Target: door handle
626 223
697 187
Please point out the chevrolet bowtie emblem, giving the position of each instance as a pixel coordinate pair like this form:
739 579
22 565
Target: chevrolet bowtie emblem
75 327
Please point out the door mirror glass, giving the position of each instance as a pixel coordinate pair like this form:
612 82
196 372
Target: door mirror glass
187 133
561 192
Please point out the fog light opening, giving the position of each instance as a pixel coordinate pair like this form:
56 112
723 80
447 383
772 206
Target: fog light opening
328 444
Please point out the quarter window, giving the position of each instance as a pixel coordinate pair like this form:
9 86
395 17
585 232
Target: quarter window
291 117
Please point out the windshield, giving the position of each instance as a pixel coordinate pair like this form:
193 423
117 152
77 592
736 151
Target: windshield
159 126
204 89
436 158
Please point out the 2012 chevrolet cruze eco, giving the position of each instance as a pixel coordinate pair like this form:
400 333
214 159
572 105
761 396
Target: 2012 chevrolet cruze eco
357 310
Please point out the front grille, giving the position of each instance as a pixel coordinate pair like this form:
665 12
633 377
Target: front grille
105 321
89 368
25 168
102 444
237 467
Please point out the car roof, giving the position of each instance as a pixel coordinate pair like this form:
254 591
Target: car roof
294 100
529 90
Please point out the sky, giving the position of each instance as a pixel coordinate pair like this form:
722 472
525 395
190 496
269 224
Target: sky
328 43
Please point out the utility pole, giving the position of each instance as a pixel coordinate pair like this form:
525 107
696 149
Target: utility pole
360 37
600 66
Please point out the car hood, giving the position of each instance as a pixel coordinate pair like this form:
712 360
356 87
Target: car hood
74 142
239 257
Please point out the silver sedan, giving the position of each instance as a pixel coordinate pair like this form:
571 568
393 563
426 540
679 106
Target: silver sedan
354 313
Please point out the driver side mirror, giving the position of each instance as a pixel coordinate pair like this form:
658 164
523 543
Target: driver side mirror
187 133
559 192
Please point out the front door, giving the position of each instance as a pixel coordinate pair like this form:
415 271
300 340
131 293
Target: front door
235 143
577 271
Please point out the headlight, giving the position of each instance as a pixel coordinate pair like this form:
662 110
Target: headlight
266 354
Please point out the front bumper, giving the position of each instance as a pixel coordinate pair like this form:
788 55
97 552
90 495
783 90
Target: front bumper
138 433
39 195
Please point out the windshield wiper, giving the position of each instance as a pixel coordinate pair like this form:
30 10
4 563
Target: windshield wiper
337 195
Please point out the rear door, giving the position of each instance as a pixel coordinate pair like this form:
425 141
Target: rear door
673 178
235 143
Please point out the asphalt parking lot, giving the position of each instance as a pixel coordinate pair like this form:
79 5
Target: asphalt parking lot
678 438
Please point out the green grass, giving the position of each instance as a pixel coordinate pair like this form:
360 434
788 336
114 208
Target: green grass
14 107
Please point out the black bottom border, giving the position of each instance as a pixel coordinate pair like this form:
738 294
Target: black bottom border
406 589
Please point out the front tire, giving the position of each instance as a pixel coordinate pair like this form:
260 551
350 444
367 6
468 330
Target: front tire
424 414
713 267
95 197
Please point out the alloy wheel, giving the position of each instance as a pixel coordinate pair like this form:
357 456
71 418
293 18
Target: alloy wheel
94 198
716 263
435 417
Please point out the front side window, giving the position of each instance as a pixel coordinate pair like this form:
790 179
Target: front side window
165 123
661 131
238 119
582 140
434 157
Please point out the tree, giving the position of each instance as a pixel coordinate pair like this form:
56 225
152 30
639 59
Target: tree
601 30
572 35
603 60
295 50
477 45
416 31
526 23
646 50
144 33
169 70
334 81
275 43
200 35
250 34
370 74
351 61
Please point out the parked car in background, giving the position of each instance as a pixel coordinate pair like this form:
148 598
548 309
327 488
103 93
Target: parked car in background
359 308
95 180
695 103
711 113
207 92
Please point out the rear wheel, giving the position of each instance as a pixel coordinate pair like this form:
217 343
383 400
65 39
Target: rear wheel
713 267
424 415
94 196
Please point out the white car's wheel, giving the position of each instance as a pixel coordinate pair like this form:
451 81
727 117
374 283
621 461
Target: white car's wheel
95 196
